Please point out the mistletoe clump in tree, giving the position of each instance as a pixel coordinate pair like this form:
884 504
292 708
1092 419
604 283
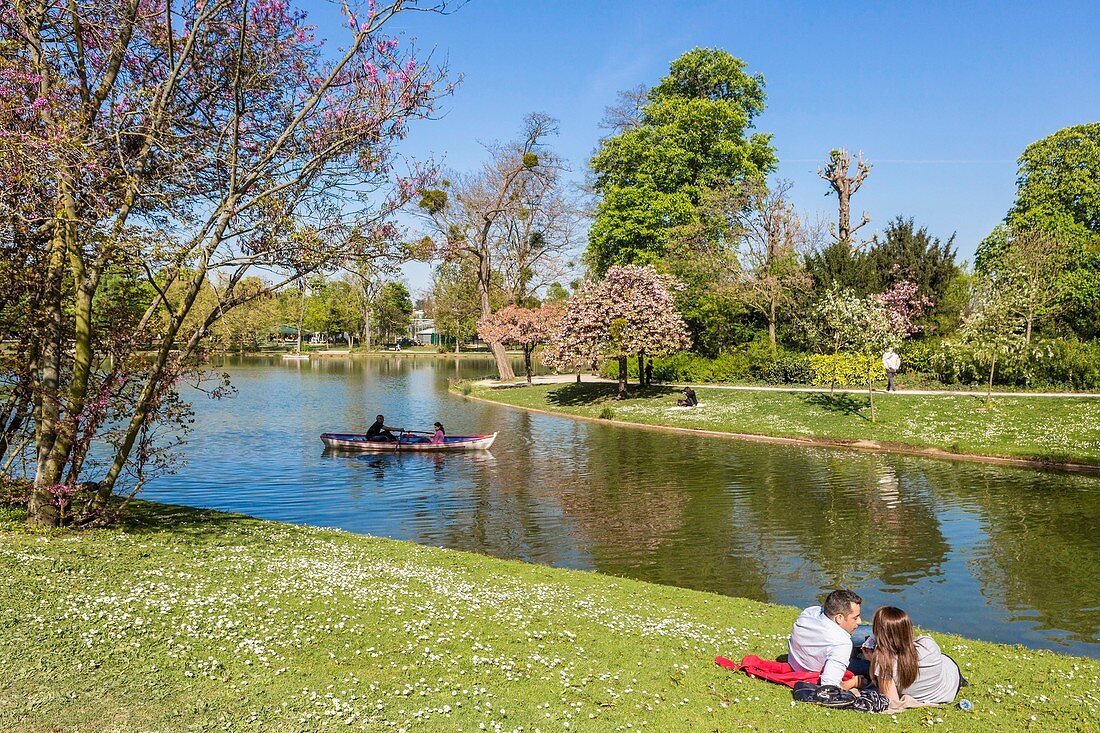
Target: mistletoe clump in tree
151 144
522 327
630 312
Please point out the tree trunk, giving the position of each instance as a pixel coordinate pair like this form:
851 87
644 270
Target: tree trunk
484 281
871 390
622 377
41 509
641 368
771 324
989 386
1027 333
527 361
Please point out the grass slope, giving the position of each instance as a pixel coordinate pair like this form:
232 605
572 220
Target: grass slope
189 620
1055 429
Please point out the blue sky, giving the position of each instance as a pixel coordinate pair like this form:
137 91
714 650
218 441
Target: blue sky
942 97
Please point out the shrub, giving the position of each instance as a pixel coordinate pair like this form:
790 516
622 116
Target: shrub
607 413
845 369
1046 364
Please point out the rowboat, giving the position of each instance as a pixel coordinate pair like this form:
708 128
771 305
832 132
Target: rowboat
406 442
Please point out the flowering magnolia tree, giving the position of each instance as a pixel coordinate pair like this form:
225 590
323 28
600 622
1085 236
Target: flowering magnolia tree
148 143
522 327
631 311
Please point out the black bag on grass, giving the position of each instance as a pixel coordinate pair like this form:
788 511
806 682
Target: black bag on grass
829 696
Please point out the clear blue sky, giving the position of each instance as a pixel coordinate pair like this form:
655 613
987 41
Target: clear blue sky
942 97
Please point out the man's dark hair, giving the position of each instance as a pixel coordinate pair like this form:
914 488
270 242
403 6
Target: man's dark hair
840 601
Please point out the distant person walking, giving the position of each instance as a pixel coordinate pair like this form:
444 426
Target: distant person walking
891 362
648 372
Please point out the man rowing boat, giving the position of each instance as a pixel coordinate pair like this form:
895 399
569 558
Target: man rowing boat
379 430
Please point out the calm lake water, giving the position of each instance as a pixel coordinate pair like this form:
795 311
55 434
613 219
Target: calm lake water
1004 554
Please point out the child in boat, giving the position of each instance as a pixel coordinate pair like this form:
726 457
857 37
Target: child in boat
440 435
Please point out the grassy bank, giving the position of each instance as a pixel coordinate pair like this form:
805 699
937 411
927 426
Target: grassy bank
1053 429
194 620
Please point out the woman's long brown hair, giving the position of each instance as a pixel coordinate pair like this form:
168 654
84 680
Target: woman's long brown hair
893 632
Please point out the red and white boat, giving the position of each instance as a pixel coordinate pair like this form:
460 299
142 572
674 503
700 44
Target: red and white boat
405 442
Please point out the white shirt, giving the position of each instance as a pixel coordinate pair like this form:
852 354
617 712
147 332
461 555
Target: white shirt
891 360
818 644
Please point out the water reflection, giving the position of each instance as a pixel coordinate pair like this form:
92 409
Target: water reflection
991 552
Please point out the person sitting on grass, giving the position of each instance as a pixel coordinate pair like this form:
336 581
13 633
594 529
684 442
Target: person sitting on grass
903 665
690 400
821 640
379 430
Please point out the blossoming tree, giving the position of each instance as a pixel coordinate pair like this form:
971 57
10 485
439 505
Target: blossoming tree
522 327
631 311
161 142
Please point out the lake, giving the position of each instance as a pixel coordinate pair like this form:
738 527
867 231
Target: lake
990 552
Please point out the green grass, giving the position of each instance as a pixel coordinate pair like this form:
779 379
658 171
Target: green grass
194 620
1056 429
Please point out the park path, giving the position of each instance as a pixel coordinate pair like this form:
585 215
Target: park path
566 378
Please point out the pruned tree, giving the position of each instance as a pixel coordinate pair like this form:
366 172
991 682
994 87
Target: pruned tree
224 123
836 172
522 327
512 219
630 312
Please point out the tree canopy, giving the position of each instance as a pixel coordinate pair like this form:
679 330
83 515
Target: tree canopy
1058 194
692 133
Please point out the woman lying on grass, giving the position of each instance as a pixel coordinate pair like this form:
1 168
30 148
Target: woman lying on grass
902 665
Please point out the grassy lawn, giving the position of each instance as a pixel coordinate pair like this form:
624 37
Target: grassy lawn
1059 429
195 620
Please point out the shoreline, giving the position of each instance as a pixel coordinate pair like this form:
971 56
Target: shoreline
861 445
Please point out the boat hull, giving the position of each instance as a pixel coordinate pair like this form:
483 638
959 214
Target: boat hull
359 442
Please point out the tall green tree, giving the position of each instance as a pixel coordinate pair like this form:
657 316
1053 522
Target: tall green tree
1058 193
692 133
393 309
456 303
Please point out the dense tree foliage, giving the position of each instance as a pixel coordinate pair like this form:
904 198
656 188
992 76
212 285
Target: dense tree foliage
522 327
693 133
1058 194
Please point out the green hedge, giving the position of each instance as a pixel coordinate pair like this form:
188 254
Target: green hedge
755 363
1048 364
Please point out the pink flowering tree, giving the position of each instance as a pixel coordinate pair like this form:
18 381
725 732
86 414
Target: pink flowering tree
630 312
904 305
157 142
522 327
